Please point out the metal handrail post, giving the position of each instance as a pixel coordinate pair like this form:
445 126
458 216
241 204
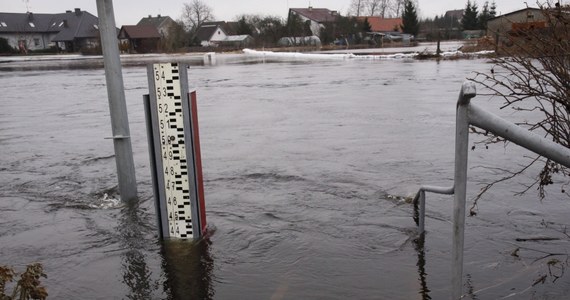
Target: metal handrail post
518 135
420 199
470 114
422 216
468 91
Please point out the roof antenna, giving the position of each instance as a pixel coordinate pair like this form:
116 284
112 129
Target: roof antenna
27 3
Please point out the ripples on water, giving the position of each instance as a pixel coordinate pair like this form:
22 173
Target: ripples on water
300 163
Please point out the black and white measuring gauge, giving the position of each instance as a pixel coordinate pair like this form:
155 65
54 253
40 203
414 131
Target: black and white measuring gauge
175 154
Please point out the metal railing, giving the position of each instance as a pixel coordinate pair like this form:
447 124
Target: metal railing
470 114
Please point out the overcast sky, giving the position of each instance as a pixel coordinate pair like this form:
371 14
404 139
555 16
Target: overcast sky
130 12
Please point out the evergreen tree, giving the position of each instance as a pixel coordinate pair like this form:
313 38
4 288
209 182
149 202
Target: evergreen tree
484 16
243 27
493 9
470 20
366 26
5 47
295 25
410 23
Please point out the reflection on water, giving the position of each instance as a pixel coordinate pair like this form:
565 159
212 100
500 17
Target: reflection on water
419 244
188 267
136 273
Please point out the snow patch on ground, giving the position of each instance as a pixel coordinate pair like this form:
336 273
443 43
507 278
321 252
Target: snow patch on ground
335 56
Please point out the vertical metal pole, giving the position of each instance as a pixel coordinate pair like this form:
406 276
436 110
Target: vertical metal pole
422 217
117 103
461 152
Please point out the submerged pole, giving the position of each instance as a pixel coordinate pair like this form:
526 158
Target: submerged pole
117 103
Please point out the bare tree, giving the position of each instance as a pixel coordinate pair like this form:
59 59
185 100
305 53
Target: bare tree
398 7
356 7
378 7
370 8
373 6
195 13
533 75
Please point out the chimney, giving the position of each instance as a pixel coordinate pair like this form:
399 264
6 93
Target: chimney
30 17
158 16
334 13
78 11
310 8
149 16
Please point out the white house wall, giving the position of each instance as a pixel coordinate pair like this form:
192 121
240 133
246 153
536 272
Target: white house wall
216 38
315 26
43 40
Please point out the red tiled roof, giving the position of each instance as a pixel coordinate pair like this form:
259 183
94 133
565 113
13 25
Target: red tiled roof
139 32
379 24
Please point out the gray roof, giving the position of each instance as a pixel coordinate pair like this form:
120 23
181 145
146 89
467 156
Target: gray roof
229 28
157 22
319 15
26 23
238 38
139 32
68 25
456 13
517 11
205 32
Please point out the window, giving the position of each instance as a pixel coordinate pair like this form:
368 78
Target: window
61 24
32 25
36 42
3 24
96 26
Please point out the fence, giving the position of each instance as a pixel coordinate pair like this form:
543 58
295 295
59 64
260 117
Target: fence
470 114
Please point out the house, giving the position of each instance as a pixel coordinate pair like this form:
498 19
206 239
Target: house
210 35
317 18
140 38
161 23
69 31
516 21
80 30
456 14
230 28
383 25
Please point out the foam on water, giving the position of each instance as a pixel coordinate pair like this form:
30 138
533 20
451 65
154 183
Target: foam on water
106 202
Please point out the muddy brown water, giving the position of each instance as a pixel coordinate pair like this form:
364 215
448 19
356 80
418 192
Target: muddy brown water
305 164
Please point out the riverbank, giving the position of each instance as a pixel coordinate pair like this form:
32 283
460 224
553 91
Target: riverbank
450 50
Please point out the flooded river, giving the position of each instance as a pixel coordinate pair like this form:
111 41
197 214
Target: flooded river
305 167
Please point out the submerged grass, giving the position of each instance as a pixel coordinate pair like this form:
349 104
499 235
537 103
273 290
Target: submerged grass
27 287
